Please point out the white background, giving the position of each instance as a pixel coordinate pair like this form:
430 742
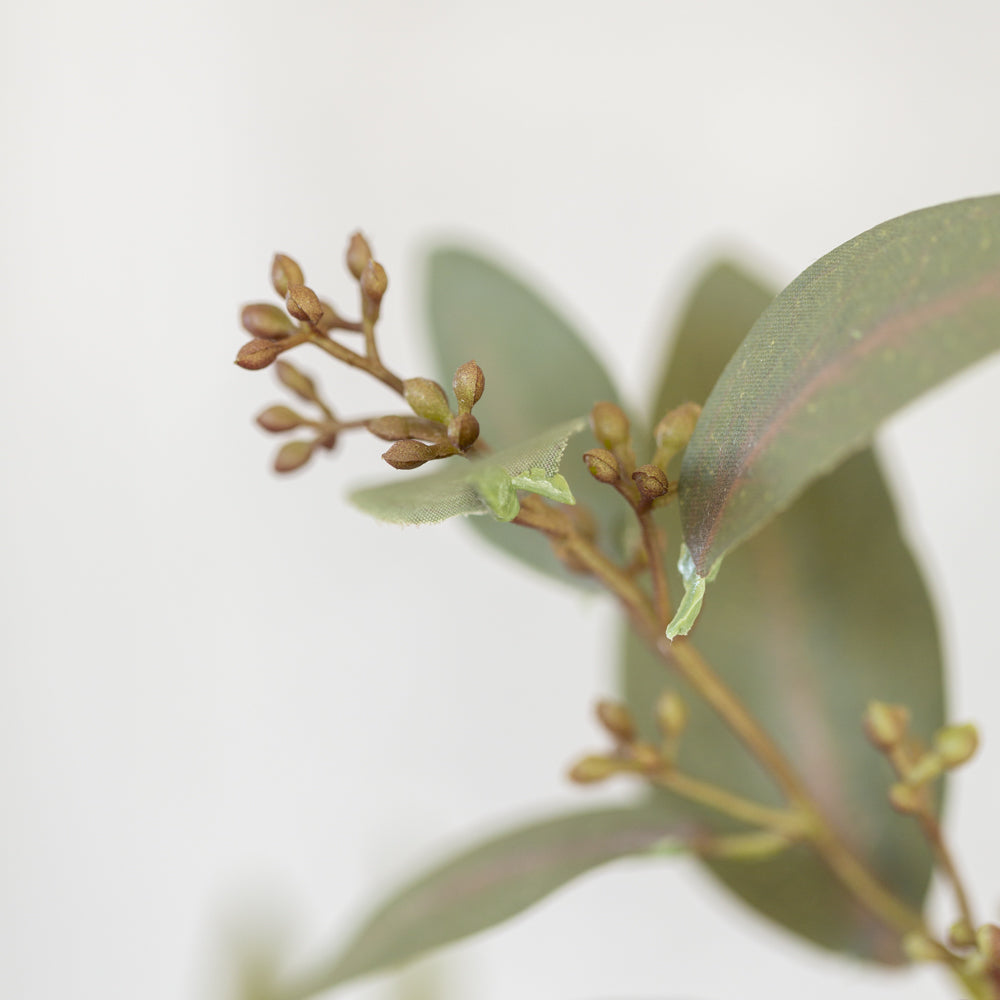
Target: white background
227 698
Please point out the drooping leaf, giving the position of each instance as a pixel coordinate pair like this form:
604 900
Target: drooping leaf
820 612
866 329
538 370
493 882
479 486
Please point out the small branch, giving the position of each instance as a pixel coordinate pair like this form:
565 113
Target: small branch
790 824
369 364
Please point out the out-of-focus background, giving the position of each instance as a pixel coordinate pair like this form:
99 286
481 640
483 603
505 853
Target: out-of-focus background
231 701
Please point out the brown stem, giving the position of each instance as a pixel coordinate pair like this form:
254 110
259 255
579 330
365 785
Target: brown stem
372 365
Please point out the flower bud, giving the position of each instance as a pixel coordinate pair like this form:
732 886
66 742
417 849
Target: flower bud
671 714
463 431
961 934
301 384
427 399
358 255
616 719
410 454
279 418
988 944
469 383
651 481
885 724
674 431
610 425
603 465
303 303
285 273
266 321
956 744
593 769
905 798
390 427
374 283
293 455
257 354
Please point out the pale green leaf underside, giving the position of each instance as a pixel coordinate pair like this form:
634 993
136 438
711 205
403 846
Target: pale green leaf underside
491 883
862 332
481 486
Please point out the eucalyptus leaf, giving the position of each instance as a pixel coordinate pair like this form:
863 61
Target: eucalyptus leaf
480 486
538 370
866 329
482 887
820 612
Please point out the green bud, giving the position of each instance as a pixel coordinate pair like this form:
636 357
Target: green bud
293 455
410 454
651 481
469 383
886 725
303 303
671 714
674 431
257 354
279 418
593 769
961 935
610 425
427 399
285 273
988 944
266 321
905 798
463 431
603 465
301 384
956 744
617 720
358 255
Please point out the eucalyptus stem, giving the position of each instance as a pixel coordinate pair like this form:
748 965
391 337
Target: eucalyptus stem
683 657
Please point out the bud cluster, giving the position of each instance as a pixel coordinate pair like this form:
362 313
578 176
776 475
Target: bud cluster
887 728
279 419
614 464
434 430
631 754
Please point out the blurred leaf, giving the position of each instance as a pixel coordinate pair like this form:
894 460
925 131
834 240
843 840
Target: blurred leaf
493 882
819 613
479 486
538 370
866 329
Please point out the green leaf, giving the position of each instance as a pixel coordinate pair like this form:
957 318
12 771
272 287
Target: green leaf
482 485
820 612
863 331
484 886
538 370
